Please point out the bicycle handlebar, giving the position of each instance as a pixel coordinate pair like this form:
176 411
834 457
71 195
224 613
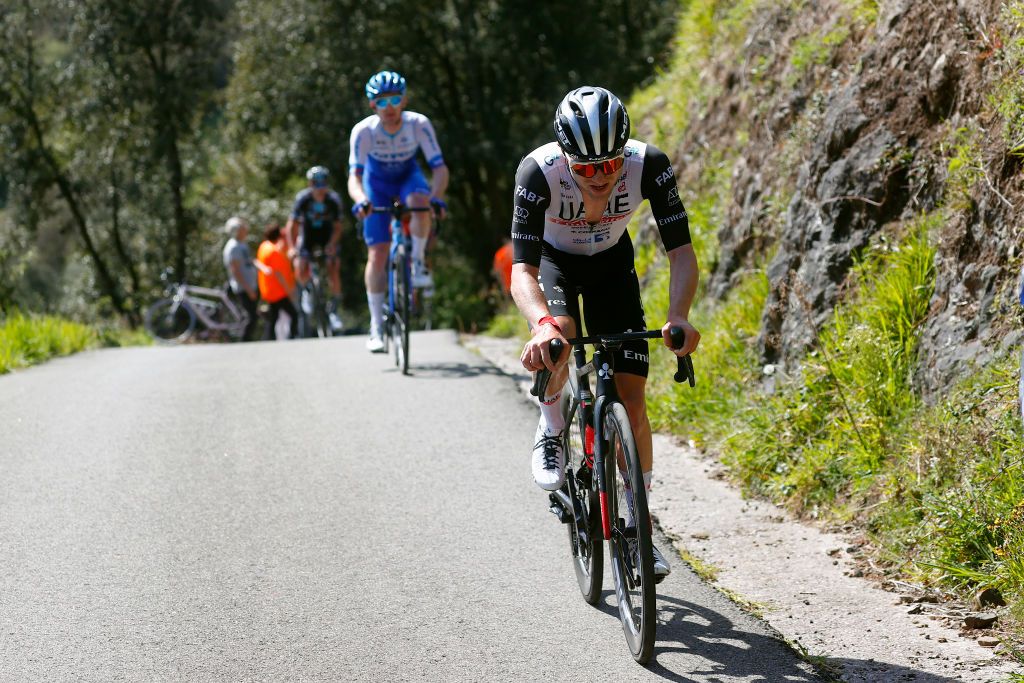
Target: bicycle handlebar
398 209
684 364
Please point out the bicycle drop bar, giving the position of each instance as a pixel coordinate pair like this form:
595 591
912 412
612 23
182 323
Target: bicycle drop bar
684 364
399 210
542 377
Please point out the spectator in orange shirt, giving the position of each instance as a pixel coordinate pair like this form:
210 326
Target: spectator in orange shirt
502 269
276 281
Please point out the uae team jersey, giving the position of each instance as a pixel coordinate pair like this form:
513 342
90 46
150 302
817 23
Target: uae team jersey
392 157
549 204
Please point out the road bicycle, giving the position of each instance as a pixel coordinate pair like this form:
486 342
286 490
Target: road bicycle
604 494
189 311
315 316
404 302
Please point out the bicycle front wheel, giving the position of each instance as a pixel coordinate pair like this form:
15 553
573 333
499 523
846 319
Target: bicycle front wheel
168 320
630 545
401 313
585 525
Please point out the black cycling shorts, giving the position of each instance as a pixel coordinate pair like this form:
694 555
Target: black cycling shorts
611 296
311 240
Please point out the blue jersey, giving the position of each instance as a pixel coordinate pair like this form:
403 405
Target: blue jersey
379 154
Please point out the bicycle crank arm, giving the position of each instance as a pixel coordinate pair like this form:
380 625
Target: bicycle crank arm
561 506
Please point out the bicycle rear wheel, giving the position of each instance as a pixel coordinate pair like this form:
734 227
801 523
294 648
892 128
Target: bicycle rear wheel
585 526
170 321
401 313
630 546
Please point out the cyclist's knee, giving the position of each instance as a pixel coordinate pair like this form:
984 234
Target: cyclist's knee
418 200
632 391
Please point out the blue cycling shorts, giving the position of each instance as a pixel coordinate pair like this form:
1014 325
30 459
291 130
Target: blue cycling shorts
376 226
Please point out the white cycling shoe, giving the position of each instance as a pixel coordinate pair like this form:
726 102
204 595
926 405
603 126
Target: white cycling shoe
374 344
335 321
548 459
661 566
421 275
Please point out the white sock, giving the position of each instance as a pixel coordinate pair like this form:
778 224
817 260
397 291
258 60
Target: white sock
419 248
551 414
375 300
629 499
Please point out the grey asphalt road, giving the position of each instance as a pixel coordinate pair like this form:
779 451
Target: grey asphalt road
300 511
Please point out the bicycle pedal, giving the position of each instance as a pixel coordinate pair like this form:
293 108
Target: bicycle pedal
557 510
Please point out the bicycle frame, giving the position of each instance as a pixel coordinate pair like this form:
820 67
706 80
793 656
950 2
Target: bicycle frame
595 405
204 301
315 285
400 240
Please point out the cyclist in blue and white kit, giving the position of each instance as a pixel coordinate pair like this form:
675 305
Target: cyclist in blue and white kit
382 166
573 200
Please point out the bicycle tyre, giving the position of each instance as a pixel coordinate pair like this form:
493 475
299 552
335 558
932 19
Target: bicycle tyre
402 307
170 321
634 580
323 327
584 530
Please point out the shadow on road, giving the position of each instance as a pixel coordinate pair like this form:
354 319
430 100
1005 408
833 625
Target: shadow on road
685 627
452 371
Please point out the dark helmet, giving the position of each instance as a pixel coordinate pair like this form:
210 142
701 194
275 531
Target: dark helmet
384 81
318 175
591 124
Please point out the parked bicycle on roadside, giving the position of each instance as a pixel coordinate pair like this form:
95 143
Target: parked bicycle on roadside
188 310
603 495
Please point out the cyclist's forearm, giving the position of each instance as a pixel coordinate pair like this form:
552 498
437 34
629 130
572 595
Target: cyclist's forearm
336 234
527 293
439 181
355 188
290 229
684 275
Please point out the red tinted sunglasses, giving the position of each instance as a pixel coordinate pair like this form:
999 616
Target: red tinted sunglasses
607 167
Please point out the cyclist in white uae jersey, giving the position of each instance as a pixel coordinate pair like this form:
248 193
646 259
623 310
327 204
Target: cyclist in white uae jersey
573 200
382 166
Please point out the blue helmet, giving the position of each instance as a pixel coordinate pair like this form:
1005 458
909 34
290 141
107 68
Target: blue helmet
385 81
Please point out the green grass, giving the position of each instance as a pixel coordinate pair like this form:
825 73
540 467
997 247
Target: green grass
29 340
1008 98
846 436
26 341
814 50
508 323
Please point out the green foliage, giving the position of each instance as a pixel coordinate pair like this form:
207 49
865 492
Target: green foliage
705 28
26 341
726 362
954 500
830 431
814 50
939 487
965 167
508 323
1008 97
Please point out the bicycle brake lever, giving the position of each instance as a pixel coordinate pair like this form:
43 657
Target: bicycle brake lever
684 370
542 377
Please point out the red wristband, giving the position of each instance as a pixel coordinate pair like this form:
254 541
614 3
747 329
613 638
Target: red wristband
549 320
